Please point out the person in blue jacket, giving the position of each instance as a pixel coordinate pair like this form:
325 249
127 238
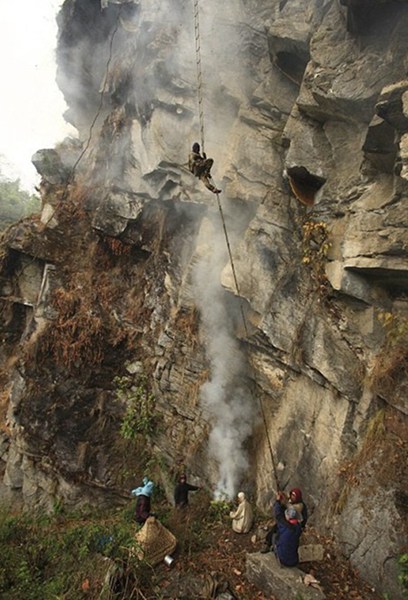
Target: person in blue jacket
143 494
289 530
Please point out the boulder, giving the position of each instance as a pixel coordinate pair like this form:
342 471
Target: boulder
268 575
310 553
49 165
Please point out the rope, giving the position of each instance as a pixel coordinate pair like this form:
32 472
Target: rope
201 121
101 97
275 473
232 262
98 112
199 72
71 176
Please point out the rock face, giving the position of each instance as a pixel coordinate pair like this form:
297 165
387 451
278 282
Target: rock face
271 322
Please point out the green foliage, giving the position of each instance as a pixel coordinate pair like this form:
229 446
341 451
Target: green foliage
15 203
58 507
403 574
140 416
219 510
51 557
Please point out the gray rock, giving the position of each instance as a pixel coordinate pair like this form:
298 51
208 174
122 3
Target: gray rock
264 571
49 165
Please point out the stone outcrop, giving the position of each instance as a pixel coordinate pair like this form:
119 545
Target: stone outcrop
286 367
281 582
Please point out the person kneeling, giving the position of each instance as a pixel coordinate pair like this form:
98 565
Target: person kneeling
242 517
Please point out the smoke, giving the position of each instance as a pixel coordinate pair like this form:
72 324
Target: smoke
225 397
152 75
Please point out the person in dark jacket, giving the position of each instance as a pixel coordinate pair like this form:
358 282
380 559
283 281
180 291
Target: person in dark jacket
181 492
288 535
201 166
143 494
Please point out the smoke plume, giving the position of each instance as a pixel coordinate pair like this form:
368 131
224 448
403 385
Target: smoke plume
225 397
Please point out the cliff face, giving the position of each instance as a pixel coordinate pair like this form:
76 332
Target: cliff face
271 327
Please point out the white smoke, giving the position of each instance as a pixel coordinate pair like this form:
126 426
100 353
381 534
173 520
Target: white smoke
157 48
225 397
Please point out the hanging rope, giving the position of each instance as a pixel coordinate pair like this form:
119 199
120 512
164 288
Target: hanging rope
201 121
232 263
199 72
71 175
101 97
275 473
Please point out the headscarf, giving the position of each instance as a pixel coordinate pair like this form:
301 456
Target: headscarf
297 493
241 496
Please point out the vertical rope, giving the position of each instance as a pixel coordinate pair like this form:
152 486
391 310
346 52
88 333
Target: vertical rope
232 263
275 473
98 112
201 121
71 175
199 72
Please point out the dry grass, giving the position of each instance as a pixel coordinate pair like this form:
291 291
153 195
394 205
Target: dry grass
116 247
349 471
391 365
4 402
187 323
389 371
385 437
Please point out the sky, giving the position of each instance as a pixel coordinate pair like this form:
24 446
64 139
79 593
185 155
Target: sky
31 104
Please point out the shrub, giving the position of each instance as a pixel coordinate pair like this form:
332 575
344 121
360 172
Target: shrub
140 416
219 510
403 574
62 557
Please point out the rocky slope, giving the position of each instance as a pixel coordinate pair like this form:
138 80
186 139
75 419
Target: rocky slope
285 366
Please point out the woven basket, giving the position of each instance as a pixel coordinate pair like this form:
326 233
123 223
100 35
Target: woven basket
154 541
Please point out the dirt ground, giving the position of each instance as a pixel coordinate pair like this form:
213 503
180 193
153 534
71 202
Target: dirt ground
212 552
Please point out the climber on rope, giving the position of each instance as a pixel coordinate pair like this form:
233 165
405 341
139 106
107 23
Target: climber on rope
200 166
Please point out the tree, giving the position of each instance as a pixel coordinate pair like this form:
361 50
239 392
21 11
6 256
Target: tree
15 203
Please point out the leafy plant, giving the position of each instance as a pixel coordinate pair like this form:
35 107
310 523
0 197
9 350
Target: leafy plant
219 510
403 575
49 558
140 416
15 203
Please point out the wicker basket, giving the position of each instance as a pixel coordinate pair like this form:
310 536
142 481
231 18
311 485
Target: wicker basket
154 542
